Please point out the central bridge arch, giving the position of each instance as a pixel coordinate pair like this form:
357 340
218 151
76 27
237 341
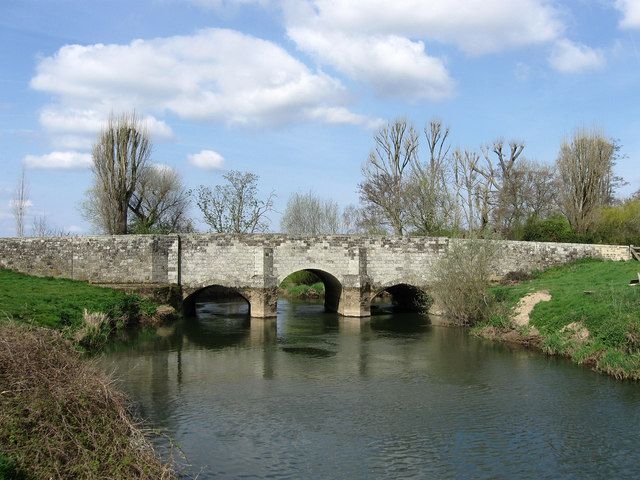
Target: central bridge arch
332 287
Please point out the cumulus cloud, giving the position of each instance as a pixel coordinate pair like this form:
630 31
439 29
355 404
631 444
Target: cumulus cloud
75 128
569 57
630 10
207 159
58 161
474 26
382 43
215 74
393 66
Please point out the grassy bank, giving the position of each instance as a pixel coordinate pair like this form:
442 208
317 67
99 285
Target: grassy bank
59 417
62 418
294 291
593 316
88 313
302 285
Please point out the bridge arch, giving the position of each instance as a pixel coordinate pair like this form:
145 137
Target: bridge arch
405 297
191 296
332 287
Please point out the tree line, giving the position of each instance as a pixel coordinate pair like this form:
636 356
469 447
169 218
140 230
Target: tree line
413 183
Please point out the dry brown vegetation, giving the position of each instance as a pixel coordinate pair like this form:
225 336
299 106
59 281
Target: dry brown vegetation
61 418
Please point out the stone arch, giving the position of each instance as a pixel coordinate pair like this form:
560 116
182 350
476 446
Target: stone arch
190 296
405 297
332 287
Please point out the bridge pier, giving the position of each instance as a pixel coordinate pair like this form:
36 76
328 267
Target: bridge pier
263 301
354 302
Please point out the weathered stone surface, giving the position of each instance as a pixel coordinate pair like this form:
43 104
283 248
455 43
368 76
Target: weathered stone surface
353 268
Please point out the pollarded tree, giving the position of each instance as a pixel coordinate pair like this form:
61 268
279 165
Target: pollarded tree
235 207
307 214
119 156
386 174
587 182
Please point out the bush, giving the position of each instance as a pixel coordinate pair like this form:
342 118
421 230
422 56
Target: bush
463 280
619 224
553 229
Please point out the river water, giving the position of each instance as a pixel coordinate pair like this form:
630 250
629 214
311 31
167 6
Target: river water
312 395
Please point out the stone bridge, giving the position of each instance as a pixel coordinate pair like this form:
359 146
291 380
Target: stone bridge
354 269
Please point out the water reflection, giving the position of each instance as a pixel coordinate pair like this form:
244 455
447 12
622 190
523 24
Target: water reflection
314 395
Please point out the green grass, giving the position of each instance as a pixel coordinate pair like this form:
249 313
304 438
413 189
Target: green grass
8 469
304 291
59 303
595 293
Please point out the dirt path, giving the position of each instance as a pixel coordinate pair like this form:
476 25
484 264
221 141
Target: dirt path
526 304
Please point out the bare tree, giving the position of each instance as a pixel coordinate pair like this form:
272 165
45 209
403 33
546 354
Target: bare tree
501 176
539 189
160 202
41 228
307 214
430 205
235 207
20 204
119 155
385 173
585 166
472 189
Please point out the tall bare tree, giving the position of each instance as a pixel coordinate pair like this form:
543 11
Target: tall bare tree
160 201
587 181
307 214
472 190
119 156
430 205
385 173
235 206
20 204
500 174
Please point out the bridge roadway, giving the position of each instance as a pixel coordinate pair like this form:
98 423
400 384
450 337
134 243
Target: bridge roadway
354 269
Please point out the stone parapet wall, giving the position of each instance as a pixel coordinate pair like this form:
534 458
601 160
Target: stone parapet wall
108 259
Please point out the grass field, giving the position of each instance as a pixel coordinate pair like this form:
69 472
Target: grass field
591 294
59 303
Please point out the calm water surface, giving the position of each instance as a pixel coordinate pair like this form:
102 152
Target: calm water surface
312 395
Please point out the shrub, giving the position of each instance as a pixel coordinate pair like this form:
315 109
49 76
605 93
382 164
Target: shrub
619 224
553 229
463 280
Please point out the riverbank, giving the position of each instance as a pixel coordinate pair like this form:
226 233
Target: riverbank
59 416
62 418
88 314
591 317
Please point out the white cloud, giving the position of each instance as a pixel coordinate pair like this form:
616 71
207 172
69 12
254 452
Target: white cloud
207 159
74 128
630 13
382 43
569 57
341 115
474 26
393 66
58 160
215 74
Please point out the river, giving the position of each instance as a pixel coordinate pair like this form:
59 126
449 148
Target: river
313 395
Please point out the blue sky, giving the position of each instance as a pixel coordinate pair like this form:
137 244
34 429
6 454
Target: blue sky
294 90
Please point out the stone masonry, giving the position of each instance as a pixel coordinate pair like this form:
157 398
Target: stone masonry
354 268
